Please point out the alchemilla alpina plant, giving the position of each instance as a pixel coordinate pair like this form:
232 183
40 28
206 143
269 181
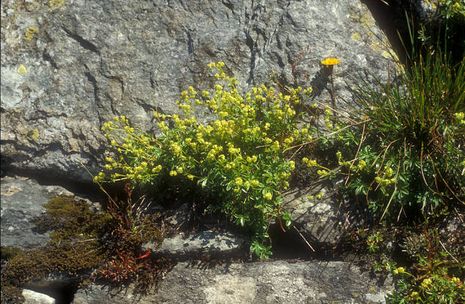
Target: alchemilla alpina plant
239 154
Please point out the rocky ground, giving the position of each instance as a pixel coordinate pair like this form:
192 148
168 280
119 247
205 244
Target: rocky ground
68 66
209 266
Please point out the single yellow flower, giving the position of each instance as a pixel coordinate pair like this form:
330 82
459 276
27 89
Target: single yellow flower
330 61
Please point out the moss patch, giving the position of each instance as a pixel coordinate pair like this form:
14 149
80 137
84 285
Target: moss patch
82 240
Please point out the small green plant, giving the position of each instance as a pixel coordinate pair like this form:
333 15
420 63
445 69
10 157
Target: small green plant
435 277
451 8
373 241
405 156
443 30
131 225
238 155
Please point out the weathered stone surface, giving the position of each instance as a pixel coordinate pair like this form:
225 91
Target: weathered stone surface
65 70
452 232
263 282
212 243
32 297
21 201
316 215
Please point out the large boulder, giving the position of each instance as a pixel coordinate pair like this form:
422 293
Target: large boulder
269 282
68 66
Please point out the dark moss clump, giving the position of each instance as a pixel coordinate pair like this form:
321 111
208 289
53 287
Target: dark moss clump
70 220
11 294
74 248
8 252
66 259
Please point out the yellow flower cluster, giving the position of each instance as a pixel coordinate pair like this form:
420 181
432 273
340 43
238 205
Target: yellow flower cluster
129 145
328 118
455 280
414 296
460 116
310 162
355 166
240 152
426 283
386 178
399 270
268 196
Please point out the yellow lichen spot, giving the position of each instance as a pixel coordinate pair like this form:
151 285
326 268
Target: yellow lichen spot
330 61
30 33
55 4
34 134
356 36
22 70
387 55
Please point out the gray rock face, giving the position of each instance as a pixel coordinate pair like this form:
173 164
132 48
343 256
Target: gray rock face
21 201
266 282
67 69
315 215
216 244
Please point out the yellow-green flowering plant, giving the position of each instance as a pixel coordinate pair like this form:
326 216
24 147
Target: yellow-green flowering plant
436 277
239 154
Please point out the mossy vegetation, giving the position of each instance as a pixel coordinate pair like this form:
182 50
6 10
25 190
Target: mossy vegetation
72 251
83 239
